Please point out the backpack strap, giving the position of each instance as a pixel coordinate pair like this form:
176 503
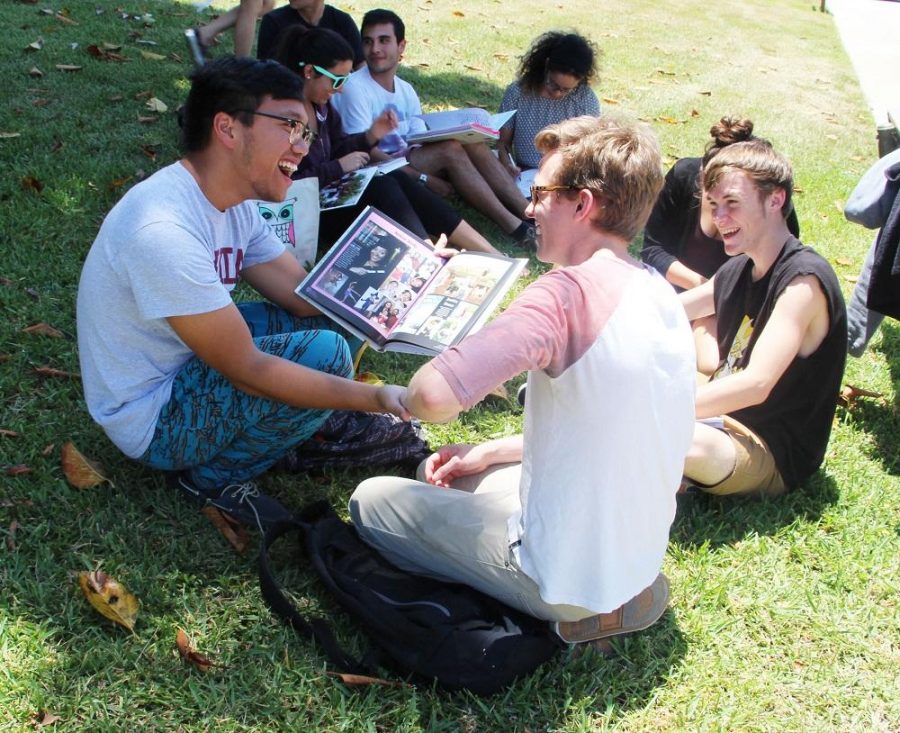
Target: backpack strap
314 628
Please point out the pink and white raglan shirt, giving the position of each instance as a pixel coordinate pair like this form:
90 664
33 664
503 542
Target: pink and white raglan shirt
609 417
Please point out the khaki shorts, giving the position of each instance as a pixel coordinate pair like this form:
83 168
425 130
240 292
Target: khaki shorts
754 467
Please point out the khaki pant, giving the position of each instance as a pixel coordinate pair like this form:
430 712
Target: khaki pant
754 470
458 535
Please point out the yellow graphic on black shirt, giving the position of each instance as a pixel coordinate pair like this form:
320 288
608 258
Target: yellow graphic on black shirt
738 346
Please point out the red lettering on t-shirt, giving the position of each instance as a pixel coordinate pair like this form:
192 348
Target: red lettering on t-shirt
228 261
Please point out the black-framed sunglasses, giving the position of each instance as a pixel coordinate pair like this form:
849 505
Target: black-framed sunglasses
337 81
535 190
300 131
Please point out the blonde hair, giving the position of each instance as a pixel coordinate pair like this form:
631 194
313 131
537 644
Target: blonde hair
616 159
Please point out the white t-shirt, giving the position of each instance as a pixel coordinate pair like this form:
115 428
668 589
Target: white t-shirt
608 421
164 250
363 99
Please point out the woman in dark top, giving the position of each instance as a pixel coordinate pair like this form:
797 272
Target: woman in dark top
324 60
680 240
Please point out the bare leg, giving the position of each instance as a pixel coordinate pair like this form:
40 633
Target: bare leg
706 343
225 21
245 27
465 237
448 159
497 177
710 459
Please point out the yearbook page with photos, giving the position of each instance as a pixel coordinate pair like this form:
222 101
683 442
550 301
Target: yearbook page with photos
385 285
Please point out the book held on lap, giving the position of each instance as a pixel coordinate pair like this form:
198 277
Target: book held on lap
470 125
389 288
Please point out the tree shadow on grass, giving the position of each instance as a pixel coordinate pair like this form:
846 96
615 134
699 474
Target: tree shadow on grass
707 519
453 89
881 418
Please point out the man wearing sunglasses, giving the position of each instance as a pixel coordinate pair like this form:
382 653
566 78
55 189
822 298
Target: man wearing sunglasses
179 377
568 522
473 171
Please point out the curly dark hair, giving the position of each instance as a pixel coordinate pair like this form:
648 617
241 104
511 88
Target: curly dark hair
567 53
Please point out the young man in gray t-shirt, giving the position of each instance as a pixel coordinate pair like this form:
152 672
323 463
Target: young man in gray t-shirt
178 376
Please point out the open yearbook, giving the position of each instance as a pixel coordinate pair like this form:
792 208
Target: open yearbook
385 285
470 125
347 190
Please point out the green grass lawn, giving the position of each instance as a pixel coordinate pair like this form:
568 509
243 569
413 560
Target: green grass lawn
784 613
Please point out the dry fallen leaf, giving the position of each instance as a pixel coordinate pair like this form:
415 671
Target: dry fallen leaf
150 56
610 100
191 655
147 120
81 472
43 329
36 45
459 14
109 597
48 449
8 433
20 469
665 73
35 72
44 718
68 67
369 378
231 529
30 183
842 261
11 537
53 372
156 105
9 135
361 679
705 93
850 394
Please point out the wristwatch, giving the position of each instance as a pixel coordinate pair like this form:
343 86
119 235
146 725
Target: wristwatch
423 179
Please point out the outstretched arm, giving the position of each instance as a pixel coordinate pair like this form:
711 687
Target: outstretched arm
222 340
451 462
276 281
430 398
797 326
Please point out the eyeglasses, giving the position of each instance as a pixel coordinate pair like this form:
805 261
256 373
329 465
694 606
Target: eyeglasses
535 190
336 81
299 130
555 88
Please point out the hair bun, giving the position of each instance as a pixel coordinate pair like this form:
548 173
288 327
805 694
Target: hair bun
730 130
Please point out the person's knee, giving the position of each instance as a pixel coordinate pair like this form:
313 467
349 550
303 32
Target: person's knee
324 351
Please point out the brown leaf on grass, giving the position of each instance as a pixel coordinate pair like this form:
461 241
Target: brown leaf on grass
695 113
11 535
98 52
459 14
146 94
8 433
850 394
9 503
81 472
35 72
35 45
669 120
842 261
30 183
610 100
115 98
190 655
43 329
150 56
150 151
68 67
48 449
117 183
147 120
9 135
851 278
20 469
501 56
63 17
473 68
109 598
176 58
53 372
44 718
705 93
40 103
357 680
231 529
663 72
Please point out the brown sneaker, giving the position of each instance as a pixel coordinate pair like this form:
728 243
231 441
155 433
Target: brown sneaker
640 612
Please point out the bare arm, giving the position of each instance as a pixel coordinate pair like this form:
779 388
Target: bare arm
430 398
504 148
276 281
698 302
683 276
222 340
798 323
460 459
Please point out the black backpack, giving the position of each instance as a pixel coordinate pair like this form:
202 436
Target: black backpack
422 628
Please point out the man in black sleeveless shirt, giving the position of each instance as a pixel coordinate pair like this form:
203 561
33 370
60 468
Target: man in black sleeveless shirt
764 415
